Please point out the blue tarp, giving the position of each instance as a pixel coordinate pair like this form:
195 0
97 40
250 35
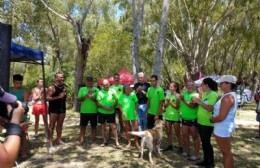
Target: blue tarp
21 53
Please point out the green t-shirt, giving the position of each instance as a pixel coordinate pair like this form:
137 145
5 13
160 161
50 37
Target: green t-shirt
87 105
18 93
172 114
128 104
118 89
187 112
106 98
155 96
208 98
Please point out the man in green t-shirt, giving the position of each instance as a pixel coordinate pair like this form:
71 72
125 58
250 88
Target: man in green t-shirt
22 95
118 89
155 95
107 101
88 109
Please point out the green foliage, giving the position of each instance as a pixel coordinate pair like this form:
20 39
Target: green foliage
234 49
110 51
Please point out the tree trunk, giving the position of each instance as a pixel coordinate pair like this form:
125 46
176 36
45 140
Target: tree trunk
137 29
161 40
80 60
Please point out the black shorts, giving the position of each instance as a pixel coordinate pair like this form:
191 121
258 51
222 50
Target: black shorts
106 118
173 122
85 118
57 111
151 121
189 123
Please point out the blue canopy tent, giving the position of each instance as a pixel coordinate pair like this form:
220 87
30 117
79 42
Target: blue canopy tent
21 53
24 54
12 52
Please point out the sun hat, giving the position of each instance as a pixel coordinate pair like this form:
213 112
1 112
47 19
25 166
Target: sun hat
228 78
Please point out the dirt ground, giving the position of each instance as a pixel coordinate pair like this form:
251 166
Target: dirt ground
246 149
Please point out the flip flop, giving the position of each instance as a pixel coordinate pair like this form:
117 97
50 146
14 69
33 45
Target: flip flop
103 144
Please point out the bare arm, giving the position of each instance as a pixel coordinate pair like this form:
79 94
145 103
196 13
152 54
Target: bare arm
175 105
226 104
51 91
136 107
148 105
36 94
160 108
207 107
26 96
9 149
190 104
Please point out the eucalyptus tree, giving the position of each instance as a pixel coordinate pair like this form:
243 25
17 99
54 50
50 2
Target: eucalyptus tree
194 27
161 39
27 29
84 17
137 12
237 50
110 50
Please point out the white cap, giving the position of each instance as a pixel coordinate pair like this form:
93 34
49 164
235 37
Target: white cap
228 78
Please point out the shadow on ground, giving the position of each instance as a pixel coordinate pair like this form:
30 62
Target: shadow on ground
246 151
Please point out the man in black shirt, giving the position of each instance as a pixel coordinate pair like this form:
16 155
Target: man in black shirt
141 88
56 95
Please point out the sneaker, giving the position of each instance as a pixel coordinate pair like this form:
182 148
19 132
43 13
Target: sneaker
168 148
193 158
52 149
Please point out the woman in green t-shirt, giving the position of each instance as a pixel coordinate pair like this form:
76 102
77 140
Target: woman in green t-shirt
189 110
172 115
128 104
205 127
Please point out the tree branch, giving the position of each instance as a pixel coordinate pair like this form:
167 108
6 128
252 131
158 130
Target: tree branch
86 12
171 43
190 23
54 12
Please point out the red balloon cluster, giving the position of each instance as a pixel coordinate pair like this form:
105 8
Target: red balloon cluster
125 78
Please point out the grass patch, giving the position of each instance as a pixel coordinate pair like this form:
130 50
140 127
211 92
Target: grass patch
246 149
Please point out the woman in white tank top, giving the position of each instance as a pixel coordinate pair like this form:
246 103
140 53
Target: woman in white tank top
223 118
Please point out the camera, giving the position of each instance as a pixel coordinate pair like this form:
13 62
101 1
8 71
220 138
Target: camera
4 111
9 99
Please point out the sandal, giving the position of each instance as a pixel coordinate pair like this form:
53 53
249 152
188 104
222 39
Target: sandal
103 144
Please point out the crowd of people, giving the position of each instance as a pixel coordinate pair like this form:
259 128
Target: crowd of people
190 112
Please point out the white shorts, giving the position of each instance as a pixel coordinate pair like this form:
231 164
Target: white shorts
224 129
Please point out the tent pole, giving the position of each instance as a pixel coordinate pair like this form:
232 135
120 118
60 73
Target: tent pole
44 91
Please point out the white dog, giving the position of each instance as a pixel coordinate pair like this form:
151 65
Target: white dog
151 138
